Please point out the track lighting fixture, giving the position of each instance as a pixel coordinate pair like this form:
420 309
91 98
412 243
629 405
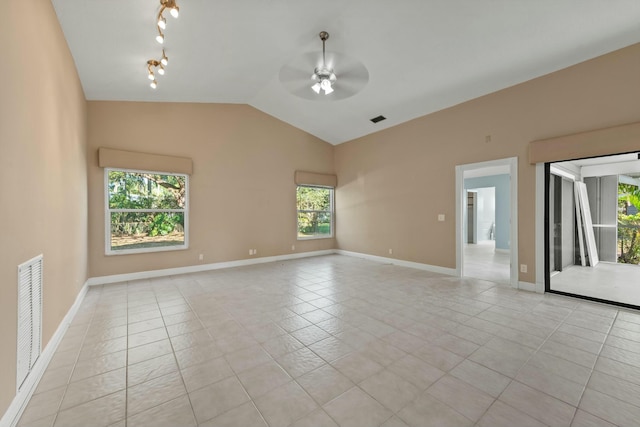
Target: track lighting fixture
151 64
158 66
174 10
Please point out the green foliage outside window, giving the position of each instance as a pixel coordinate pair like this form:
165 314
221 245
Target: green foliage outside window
144 207
314 211
628 224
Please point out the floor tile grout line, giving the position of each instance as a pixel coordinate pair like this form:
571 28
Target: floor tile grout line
55 419
176 361
126 365
173 350
512 379
594 366
188 394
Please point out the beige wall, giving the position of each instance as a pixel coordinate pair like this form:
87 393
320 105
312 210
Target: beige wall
394 183
42 171
242 191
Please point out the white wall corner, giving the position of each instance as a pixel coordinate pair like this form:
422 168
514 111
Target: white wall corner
19 403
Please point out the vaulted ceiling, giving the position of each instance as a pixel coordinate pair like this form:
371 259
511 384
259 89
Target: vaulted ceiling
421 55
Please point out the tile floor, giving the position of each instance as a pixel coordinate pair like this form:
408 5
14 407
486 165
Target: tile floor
607 281
481 261
338 341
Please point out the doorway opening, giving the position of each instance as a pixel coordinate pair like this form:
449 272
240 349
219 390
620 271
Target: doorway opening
486 221
592 228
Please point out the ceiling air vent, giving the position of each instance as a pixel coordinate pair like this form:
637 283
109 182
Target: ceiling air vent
378 119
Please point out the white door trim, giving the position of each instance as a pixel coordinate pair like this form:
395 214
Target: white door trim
512 163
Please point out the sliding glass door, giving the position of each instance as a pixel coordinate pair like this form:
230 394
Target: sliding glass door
592 229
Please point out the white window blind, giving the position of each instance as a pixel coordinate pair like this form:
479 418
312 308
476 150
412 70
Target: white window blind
29 316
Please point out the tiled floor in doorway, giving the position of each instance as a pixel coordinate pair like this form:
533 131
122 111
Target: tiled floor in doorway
337 340
482 261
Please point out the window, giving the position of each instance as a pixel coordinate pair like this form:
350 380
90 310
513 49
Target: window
315 212
145 211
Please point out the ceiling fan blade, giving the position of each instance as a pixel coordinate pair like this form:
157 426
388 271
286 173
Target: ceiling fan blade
292 73
296 76
349 86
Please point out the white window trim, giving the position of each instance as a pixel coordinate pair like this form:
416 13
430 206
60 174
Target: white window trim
331 211
107 215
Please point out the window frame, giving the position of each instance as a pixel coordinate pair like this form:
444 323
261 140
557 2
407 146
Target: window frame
331 212
108 211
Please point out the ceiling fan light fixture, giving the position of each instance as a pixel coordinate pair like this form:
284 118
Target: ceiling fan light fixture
325 84
324 77
334 76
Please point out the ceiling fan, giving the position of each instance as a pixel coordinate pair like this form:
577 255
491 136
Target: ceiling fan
335 76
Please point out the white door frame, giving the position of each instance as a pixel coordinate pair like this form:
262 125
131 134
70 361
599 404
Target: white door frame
512 163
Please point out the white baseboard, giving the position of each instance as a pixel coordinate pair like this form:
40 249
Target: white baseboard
531 287
116 278
502 251
399 262
19 403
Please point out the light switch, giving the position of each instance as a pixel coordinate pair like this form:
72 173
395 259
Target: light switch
441 217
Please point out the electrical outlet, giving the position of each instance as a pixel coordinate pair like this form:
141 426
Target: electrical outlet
523 268
441 217
390 251
255 252
201 257
293 247
250 251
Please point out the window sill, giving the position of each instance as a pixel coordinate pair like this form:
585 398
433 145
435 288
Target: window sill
146 250
314 237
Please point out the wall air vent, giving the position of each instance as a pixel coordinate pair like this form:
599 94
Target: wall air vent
29 316
378 119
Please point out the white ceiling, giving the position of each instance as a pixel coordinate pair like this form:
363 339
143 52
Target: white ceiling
422 55
619 164
488 171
